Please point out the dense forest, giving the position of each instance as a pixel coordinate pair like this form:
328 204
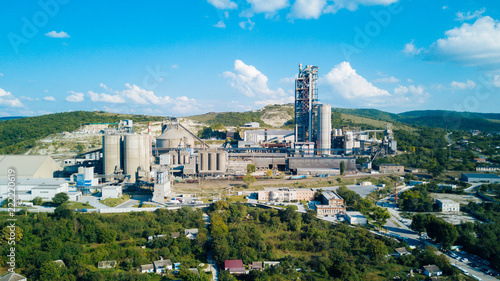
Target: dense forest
18 135
81 240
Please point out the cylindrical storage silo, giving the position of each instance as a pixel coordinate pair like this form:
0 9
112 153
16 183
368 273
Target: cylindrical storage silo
212 161
132 155
221 161
175 159
111 154
324 129
205 161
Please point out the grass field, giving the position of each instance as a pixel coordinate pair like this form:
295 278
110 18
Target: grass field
113 202
79 205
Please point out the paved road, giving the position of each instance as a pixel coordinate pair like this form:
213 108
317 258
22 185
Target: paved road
135 200
94 202
211 262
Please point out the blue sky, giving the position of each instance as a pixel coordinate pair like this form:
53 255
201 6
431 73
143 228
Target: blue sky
178 58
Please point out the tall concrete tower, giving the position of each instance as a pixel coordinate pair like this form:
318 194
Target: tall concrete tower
306 98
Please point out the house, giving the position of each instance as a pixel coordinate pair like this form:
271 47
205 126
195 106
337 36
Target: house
492 169
147 268
257 265
448 205
175 235
194 270
12 277
106 264
161 266
332 204
150 238
402 252
411 170
191 233
432 270
234 266
356 218
252 125
447 186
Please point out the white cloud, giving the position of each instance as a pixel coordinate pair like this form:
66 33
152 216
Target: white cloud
1 74
445 7
54 34
247 24
463 85
344 80
95 97
28 98
476 44
142 96
268 6
220 24
226 14
223 4
75 97
352 5
496 81
411 50
49 98
250 82
307 9
6 98
103 86
463 16
390 79
288 80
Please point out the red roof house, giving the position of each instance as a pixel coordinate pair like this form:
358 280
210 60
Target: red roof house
234 266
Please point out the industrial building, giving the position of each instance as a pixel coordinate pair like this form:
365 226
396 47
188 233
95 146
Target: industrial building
331 204
480 178
447 205
286 194
391 168
29 166
356 218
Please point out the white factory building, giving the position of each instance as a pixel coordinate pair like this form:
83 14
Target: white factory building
112 191
29 188
356 218
447 205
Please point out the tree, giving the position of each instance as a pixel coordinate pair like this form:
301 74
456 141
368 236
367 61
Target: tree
37 201
441 231
342 167
380 215
251 168
248 180
63 212
269 173
418 223
60 198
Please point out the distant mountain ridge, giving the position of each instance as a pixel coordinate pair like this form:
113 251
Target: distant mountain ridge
452 120
11 118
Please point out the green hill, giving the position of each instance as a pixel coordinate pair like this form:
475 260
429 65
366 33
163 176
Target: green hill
18 135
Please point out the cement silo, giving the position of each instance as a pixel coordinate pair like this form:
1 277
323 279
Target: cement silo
203 161
111 154
324 136
174 137
136 155
221 161
212 161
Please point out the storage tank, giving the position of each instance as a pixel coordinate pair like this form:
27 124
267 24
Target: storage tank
324 129
111 154
173 138
212 161
132 156
221 161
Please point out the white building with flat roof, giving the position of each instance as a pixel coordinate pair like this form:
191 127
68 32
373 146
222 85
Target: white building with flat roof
356 218
112 191
448 205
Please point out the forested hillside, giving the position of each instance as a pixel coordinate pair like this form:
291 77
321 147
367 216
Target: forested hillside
18 135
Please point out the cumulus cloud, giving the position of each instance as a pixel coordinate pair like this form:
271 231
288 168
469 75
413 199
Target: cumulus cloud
75 97
410 49
223 4
268 6
344 80
49 98
463 85
95 97
390 79
220 24
307 9
142 96
471 44
463 16
54 34
250 82
7 99
352 5
28 98
247 24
